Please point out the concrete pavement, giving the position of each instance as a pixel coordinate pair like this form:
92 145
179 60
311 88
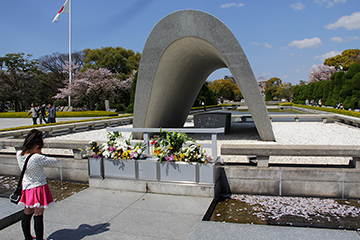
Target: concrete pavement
110 214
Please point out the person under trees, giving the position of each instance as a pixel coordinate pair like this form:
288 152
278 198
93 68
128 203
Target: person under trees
343 87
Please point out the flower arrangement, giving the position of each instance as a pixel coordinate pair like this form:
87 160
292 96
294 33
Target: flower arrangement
117 147
170 146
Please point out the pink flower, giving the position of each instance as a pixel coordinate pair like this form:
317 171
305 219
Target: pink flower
111 148
170 158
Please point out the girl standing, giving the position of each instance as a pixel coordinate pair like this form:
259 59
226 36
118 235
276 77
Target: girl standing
36 194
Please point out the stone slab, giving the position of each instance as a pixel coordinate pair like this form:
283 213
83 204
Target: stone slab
219 231
352 190
129 215
213 120
305 174
254 186
311 189
9 213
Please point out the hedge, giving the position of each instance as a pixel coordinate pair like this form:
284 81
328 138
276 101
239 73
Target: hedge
61 114
63 122
326 109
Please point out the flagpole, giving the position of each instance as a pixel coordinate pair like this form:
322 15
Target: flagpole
70 52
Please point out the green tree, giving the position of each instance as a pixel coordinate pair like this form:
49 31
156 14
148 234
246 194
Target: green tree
285 91
338 82
272 88
344 60
227 89
118 60
343 87
353 69
130 108
296 94
355 82
18 79
205 95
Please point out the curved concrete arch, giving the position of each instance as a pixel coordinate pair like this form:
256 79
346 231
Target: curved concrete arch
182 50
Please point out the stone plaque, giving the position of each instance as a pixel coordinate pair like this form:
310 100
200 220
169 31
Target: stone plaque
213 120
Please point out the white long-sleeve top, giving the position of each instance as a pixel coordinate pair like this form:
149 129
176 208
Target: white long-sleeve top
34 175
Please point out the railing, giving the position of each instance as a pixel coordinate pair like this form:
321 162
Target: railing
264 151
296 117
148 131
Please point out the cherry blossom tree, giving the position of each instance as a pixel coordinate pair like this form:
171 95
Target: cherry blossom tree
321 73
93 87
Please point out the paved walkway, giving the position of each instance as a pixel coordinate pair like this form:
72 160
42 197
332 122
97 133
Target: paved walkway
108 214
17 122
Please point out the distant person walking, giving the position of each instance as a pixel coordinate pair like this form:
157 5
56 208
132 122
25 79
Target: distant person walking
320 103
34 111
42 114
52 114
36 194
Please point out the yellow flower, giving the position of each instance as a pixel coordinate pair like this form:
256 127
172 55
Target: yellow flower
170 147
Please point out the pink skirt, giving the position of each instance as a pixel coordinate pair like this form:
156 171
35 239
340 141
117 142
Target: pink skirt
39 197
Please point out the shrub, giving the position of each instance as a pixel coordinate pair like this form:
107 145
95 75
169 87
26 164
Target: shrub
60 114
118 106
100 107
353 69
333 110
60 102
286 104
63 122
130 108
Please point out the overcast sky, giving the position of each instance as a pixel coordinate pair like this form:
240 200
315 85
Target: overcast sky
281 38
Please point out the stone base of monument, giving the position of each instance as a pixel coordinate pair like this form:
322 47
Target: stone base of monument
150 176
213 120
173 188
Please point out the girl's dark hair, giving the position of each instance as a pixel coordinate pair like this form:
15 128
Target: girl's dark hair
33 138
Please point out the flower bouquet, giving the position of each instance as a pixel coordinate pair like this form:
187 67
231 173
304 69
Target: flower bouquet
171 146
117 147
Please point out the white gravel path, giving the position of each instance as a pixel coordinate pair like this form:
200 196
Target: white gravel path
307 133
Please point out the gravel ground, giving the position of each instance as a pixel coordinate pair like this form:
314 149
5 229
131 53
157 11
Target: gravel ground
307 133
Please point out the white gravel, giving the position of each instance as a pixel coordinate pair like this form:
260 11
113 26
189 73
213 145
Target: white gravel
306 133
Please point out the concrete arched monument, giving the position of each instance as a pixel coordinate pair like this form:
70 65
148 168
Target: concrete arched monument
182 50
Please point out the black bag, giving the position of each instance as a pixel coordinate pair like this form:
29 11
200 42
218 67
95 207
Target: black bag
15 197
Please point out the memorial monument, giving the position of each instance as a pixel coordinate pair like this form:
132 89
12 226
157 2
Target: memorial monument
182 50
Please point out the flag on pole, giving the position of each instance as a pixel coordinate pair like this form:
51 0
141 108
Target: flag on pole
64 9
